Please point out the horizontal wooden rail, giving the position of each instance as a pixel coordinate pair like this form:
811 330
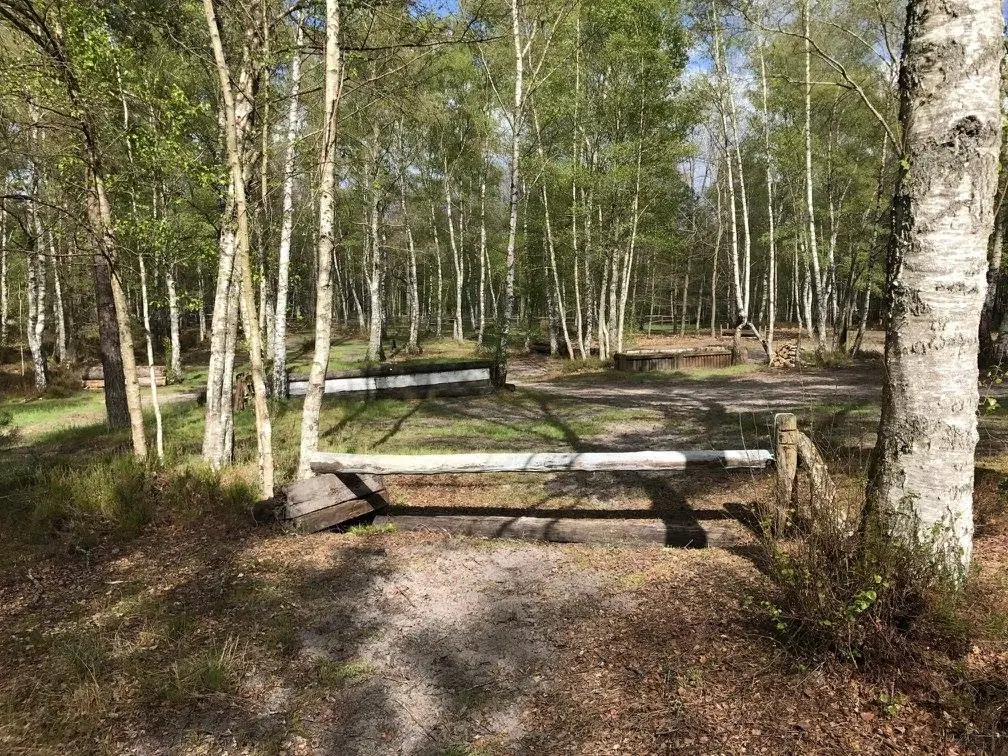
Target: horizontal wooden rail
434 464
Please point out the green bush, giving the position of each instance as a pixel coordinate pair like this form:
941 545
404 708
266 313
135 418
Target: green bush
122 495
8 431
863 596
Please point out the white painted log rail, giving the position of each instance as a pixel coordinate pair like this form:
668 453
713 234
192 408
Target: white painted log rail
434 464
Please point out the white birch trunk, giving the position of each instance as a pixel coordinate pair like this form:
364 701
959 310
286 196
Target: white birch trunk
482 256
951 118
264 433
457 327
159 432
376 324
35 262
326 240
439 314
174 323
818 281
772 241
59 313
287 222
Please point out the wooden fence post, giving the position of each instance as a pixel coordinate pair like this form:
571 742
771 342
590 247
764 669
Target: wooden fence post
786 434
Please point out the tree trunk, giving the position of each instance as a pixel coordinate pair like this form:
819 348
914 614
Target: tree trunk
36 285
439 313
813 247
376 325
481 327
250 323
514 173
4 304
201 311
218 392
287 221
159 432
116 407
457 327
714 265
327 207
59 313
413 280
923 467
772 241
174 324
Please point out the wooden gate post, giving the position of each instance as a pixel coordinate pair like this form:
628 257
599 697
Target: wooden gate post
786 434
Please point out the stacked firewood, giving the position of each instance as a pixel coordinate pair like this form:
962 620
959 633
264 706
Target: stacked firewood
786 356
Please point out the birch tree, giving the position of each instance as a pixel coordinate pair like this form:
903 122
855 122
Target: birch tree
287 218
326 241
922 480
246 300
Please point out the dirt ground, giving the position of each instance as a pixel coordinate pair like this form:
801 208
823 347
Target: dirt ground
429 644
213 637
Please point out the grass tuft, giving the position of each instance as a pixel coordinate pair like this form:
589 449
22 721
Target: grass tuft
368 530
330 673
209 674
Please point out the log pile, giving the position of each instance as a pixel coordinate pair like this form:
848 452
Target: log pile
786 356
93 378
331 499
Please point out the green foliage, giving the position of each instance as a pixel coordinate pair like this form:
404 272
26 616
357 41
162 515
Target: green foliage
863 596
208 674
8 430
366 530
121 495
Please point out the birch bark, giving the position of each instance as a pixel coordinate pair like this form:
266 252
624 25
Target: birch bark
923 470
327 208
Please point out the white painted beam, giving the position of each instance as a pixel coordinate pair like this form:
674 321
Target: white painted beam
433 464
391 382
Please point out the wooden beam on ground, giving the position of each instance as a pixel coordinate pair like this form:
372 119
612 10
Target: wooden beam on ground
329 500
435 464
599 531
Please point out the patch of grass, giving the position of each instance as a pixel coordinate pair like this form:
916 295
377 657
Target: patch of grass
368 530
208 674
118 496
330 673
41 416
8 430
833 359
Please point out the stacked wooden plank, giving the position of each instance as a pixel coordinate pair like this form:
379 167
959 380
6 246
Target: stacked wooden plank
407 380
94 377
331 499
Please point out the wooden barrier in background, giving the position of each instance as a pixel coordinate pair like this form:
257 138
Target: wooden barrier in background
407 380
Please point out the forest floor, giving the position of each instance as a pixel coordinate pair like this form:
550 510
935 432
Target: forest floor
208 633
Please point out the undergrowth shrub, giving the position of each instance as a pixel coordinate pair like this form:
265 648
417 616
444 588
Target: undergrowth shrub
8 431
120 496
865 596
62 381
